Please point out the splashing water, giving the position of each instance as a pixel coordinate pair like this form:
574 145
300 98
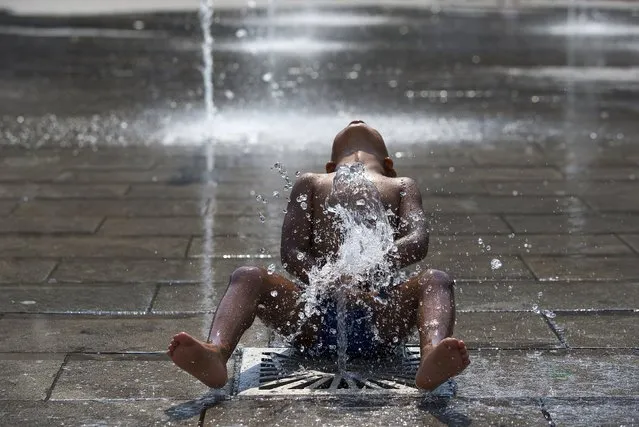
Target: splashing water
206 20
366 243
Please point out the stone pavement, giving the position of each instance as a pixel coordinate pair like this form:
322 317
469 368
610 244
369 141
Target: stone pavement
107 250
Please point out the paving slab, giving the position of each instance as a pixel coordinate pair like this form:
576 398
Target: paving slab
62 298
221 191
121 208
47 191
27 378
54 333
125 379
632 240
128 177
614 173
523 295
562 188
247 244
586 411
94 247
86 412
41 173
127 271
504 205
176 226
467 224
613 203
248 225
50 225
529 244
509 155
584 267
429 187
244 208
575 373
495 173
24 270
6 207
185 297
103 158
504 330
574 224
600 329
357 411
478 267
163 191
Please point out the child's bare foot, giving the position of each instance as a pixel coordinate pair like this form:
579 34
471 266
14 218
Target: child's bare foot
445 360
204 361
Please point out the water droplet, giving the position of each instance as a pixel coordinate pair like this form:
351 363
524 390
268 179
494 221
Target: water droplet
276 194
549 314
261 216
273 294
267 77
535 308
259 198
241 33
540 294
298 174
402 193
360 202
303 205
301 198
480 241
270 269
495 264
301 256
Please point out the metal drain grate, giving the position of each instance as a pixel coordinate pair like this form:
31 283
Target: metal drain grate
283 372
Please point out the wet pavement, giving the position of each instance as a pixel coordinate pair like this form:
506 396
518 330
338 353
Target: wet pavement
518 123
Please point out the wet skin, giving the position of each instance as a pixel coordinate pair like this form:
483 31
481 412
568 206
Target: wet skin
309 236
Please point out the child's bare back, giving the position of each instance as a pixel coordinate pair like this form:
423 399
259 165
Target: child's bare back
310 238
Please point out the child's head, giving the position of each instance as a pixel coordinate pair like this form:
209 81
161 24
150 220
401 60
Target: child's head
360 142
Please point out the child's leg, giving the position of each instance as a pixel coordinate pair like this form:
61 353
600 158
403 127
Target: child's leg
426 301
251 291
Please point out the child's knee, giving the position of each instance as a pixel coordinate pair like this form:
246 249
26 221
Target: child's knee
247 274
436 278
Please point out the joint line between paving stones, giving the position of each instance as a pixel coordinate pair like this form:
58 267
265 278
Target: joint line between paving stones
100 224
57 376
53 270
625 243
128 190
200 421
523 261
502 217
188 246
559 333
545 413
153 298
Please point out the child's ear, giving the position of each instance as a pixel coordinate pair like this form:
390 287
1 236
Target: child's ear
330 167
388 168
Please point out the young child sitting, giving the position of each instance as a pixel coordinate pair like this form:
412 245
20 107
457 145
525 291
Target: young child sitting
311 238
